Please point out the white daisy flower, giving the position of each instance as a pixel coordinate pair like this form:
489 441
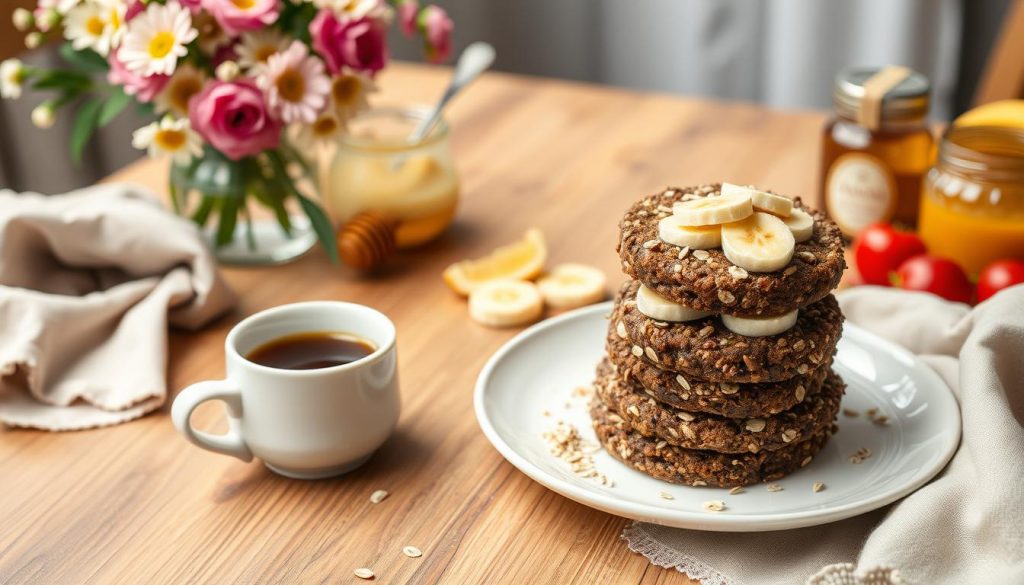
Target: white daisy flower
211 35
326 129
44 115
354 8
95 24
186 82
12 78
349 92
296 84
61 6
169 136
257 46
156 39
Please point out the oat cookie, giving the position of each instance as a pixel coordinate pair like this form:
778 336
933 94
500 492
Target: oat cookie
707 281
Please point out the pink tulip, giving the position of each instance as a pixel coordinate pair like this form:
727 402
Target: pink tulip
407 12
357 43
143 88
233 118
235 20
437 33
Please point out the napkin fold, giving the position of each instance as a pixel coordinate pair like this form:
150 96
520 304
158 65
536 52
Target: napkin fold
965 526
89 282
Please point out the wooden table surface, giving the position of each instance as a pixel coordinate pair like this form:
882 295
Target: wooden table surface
136 503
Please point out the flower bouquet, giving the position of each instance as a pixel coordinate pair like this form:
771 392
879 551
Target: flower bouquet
239 90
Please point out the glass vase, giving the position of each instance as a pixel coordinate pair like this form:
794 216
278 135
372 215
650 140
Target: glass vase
254 211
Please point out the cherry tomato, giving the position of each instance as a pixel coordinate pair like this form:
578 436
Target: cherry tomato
999 275
880 249
936 275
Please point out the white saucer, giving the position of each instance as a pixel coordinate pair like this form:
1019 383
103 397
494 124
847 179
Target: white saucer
538 370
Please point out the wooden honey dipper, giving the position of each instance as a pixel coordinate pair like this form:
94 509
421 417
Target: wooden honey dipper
367 240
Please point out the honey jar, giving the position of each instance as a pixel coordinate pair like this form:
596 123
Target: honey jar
972 202
876 148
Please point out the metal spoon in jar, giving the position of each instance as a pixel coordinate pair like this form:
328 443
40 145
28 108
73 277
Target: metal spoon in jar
473 61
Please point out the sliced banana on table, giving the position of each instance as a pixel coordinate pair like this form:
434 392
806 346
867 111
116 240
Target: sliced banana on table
568 286
761 200
760 326
801 224
713 210
505 303
759 243
657 307
700 237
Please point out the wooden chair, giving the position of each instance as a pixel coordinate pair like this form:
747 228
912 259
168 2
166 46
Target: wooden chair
1004 72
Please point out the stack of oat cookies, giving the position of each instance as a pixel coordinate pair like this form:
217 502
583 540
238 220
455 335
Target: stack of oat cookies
719 350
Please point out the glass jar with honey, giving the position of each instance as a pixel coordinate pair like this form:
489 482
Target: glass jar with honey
376 168
876 148
972 203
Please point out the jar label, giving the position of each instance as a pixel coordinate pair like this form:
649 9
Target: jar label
859 191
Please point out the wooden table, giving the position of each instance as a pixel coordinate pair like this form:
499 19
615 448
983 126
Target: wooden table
137 504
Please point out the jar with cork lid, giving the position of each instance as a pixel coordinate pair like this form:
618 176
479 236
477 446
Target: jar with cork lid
876 148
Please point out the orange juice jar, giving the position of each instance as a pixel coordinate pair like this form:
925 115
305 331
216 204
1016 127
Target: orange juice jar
972 201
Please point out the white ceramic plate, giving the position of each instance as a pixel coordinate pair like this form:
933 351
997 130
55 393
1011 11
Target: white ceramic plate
538 369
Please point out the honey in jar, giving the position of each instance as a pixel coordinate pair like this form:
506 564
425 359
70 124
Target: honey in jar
972 202
876 148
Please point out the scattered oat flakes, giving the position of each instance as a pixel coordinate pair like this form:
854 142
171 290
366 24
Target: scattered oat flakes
881 420
736 490
684 252
378 496
701 254
728 388
650 244
871 412
861 454
637 350
774 487
363 573
850 412
737 272
682 381
755 425
666 496
412 552
817 487
685 416
565 442
714 505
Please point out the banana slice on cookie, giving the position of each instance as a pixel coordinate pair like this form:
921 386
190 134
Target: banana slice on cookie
760 326
505 303
568 286
698 237
801 224
761 200
759 243
659 308
713 210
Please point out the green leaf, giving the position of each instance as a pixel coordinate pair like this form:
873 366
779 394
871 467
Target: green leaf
321 225
85 123
202 212
62 79
228 220
87 60
117 102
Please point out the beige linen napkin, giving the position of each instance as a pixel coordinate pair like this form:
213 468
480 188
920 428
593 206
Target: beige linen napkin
965 527
88 283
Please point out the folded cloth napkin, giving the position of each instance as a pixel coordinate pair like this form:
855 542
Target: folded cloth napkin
88 283
966 526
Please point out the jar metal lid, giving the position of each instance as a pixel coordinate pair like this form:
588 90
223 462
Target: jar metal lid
908 100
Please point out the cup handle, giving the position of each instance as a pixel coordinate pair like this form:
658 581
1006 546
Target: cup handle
231 442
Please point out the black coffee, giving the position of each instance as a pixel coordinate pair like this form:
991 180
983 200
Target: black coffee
311 350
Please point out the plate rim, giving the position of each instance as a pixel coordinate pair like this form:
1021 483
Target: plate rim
693 519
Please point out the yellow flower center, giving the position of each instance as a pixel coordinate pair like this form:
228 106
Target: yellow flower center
345 90
169 140
244 4
115 19
161 44
325 126
94 26
182 90
291 85
263 53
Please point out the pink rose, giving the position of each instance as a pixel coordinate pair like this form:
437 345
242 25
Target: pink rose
193 6
235 20
233 118
357 43
407 12
143 88
437 33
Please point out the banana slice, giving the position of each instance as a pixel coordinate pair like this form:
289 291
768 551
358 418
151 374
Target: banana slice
697 237
568 286
659 308
761 200
505 303
713 210
759 243
760 326
801 224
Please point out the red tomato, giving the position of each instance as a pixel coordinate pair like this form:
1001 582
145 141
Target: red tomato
880 249
936 275
999 275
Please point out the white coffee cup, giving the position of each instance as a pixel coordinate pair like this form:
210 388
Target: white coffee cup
305 424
